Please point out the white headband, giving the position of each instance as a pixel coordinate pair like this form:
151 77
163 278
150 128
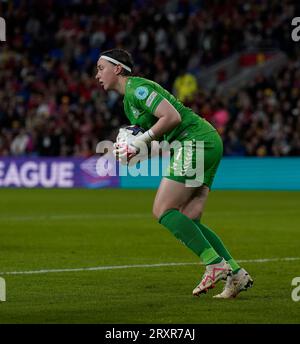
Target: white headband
110 59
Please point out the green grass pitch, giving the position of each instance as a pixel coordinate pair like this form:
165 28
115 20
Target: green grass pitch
70 229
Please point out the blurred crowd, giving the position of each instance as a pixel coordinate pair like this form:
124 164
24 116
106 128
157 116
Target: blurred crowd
262 119
51 105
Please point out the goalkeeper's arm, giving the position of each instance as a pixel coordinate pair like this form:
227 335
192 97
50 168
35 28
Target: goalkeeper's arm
168 119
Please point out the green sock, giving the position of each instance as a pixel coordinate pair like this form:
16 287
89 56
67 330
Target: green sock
187 231
218 245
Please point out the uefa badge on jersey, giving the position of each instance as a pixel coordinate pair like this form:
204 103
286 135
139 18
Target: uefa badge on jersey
141 92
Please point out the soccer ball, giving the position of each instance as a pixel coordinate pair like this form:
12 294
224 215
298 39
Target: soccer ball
123 150
123 142
128 134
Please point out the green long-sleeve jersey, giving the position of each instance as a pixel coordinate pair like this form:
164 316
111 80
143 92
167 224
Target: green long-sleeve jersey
142 96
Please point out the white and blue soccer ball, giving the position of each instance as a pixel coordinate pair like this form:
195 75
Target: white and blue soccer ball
128 134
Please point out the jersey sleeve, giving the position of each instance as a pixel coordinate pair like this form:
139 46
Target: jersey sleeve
145 97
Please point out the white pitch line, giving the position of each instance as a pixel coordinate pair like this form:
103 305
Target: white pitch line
73 217
55 217
113 267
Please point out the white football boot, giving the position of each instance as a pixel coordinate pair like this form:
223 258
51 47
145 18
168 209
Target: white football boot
213 274
241 281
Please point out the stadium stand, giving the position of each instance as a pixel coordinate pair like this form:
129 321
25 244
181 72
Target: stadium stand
51 105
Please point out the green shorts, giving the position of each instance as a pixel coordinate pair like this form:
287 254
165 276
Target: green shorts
195 159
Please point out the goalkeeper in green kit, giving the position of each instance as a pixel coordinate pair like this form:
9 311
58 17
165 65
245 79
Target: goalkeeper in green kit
177 205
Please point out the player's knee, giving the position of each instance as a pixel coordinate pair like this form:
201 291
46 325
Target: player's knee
192 213
158 211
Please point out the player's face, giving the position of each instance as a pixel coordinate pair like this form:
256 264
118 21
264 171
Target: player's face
106 74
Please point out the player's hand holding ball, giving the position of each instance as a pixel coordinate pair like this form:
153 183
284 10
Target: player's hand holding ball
132 141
